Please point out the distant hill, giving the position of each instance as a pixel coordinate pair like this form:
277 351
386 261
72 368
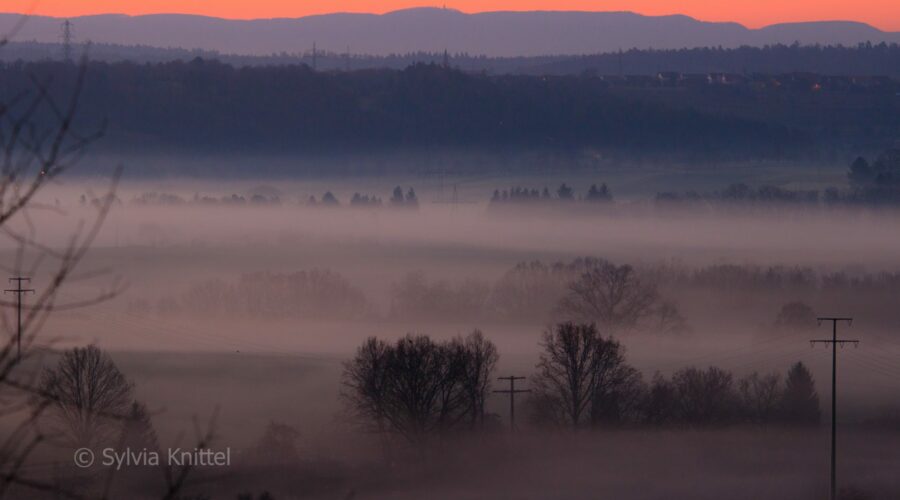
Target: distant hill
856 60
436 30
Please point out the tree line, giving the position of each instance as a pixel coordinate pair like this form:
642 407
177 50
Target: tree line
204 105
869 184
616 296
418 389
517 195
302 294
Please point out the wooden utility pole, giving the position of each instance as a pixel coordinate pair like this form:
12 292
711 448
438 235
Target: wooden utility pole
19 291
512 391
834 342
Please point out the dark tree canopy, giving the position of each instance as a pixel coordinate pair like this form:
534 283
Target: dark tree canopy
582 378
209 106
704 397
800 401
618 299
796 316
417 388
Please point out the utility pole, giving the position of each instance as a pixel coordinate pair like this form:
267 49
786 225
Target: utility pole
512 398
834 342
19 291
67 40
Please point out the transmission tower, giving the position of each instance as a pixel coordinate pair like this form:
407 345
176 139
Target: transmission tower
67 37
19 291
834 342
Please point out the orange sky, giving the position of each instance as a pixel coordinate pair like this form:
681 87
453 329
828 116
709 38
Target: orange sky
884 14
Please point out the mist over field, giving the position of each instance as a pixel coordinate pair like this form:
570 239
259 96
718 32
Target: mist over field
208 320
522 265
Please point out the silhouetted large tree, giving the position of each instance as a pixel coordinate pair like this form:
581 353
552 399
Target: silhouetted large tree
88 396
614 297
582 378
478 357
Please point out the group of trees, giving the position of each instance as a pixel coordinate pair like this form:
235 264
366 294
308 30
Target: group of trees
857 60
740 193
307 294
397 200
564 193
697 397
417 387
161 198
415 297
875 183
584 380
884 171
618 297
870 184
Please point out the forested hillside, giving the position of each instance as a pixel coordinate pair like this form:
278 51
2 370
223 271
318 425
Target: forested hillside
210 106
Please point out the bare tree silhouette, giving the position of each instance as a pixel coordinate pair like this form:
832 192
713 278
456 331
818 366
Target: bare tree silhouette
418 388
582 377
478 357
614 297
39 142
86 390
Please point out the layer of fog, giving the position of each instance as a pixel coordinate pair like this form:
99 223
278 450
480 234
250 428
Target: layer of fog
256 370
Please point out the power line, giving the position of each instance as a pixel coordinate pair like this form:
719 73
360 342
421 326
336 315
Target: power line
834 342
19 291
763 347
512 391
